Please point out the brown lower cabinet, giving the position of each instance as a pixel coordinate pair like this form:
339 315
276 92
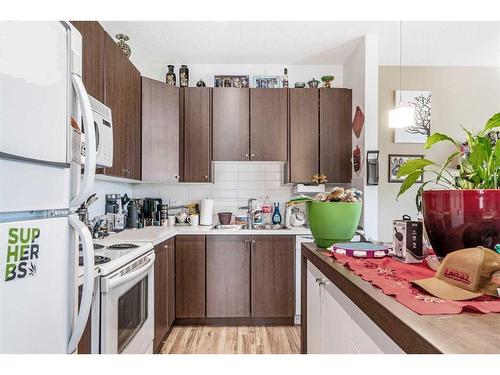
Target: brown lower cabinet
273 276
235 279
164 290
228 276
190 277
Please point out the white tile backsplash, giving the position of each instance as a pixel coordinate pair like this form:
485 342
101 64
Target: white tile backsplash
234 183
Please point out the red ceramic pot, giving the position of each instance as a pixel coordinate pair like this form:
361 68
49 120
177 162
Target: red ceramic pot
457 219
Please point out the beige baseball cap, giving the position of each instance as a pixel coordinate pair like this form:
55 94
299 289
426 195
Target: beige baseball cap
464 274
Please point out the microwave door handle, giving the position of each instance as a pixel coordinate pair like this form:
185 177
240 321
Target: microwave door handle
90 142
88 280
119 280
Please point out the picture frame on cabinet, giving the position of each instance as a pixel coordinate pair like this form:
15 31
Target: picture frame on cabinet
237 81
267 82
395 161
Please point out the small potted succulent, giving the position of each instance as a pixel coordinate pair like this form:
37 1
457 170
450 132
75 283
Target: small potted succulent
327 80
462 208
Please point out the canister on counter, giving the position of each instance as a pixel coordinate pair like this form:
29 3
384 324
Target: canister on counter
407 240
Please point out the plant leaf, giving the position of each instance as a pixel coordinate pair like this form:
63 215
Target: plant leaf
445 165
493 122
438 137
413 165
409 181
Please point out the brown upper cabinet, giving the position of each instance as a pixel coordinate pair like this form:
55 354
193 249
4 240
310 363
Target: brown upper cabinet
160 131
320 135
335 111
196 134
231 128
268 124
123 96
250 124
93 57
111 78
304 134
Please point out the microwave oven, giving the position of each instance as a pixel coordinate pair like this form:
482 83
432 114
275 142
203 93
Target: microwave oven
103 133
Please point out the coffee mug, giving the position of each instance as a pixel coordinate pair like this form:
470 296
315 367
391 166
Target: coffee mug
171 220
194 220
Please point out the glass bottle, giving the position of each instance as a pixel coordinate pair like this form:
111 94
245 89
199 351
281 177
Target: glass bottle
276 214
284 79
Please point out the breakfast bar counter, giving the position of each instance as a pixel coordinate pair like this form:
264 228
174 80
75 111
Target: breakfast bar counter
410 332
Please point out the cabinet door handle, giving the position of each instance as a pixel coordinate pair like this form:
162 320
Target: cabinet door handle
253 241
246 156
206 177
166 246
247 241
252 156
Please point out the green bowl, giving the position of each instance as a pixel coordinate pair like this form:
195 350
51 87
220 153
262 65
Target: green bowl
332 222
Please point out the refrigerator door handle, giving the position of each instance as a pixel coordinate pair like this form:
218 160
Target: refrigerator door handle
90 142
88 281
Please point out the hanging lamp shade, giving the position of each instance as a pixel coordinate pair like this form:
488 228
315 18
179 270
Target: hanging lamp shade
401 116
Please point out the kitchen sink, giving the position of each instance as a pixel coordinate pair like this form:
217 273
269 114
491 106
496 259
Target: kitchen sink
255 227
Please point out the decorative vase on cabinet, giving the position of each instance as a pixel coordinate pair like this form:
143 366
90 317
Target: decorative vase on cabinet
170 78
184 76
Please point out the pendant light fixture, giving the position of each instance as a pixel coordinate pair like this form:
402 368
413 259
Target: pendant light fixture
403 115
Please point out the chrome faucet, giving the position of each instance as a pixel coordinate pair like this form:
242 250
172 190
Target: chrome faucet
250 212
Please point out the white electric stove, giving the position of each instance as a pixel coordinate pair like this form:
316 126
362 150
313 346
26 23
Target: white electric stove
126 270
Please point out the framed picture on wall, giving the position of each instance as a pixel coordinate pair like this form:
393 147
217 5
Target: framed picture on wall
396 161
421 101
267 82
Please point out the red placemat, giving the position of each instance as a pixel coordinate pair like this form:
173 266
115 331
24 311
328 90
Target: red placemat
394 279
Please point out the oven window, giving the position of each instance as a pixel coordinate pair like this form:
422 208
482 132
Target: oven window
132 312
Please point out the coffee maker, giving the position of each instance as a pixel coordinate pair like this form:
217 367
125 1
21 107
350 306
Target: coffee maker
151 211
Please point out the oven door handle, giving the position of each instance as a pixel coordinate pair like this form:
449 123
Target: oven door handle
113 282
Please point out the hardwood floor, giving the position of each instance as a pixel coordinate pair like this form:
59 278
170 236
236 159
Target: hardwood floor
233 340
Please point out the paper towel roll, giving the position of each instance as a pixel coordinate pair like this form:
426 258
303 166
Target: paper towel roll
206 212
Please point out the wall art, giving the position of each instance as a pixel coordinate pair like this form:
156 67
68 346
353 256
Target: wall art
421 101
224 80
266 82
396 161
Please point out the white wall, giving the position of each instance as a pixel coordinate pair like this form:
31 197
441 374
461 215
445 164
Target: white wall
103 187
361 75
465 96
296 73
233 184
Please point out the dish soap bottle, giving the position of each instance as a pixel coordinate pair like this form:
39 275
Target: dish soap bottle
276 214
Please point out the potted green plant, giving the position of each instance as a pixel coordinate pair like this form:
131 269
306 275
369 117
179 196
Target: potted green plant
462 208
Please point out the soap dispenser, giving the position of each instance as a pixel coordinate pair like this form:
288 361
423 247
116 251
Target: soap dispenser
276 214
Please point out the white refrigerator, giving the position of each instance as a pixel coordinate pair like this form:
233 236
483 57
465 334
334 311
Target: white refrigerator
43 105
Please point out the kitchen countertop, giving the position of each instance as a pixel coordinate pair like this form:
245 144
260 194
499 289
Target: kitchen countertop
162 233
459 334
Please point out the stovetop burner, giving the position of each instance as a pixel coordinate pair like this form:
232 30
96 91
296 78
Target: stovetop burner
96 247
121 246
98 259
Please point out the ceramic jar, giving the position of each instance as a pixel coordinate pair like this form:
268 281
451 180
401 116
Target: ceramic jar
170 78
184 76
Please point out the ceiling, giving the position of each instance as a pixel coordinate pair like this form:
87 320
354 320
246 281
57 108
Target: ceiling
309 43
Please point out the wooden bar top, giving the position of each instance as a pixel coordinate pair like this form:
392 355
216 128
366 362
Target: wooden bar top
460 333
